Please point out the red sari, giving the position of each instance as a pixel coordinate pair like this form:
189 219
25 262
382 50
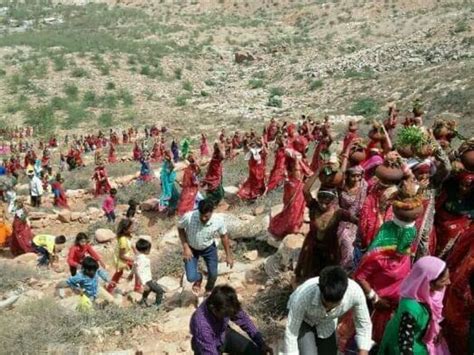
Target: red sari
60 198
137 152
204 147
20 241
112 158
254 186
102 185
189 191
278 173
156 153
458 301
348 139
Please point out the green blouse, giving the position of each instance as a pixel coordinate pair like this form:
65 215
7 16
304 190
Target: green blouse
404 332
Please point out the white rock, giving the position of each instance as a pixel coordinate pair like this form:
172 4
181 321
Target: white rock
231 191
103 235
238 267
251 255
290 248
169 283
177 320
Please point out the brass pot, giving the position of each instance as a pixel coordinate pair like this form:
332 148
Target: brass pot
389 175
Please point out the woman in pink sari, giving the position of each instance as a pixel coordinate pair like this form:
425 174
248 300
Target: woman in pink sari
112 157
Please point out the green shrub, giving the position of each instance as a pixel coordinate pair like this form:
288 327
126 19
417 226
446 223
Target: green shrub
277 91
21 104
106 119
365 107
461 26
126 97
110 86
3 72
104 69
89 99
75 115
188 86
178 73
145 70
275 101
42 119
256 83
79 73
71 90
209 82
315 84
109 101
58 103
59 63
204 93
181 100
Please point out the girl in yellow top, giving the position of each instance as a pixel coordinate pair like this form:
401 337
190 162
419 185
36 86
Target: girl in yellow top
124 254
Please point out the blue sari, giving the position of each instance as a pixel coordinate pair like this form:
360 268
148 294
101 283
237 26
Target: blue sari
169 193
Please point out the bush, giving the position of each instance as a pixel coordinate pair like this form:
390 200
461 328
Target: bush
109 101
110 86
89 99
104 69
106 119
275 101
277 91
58 103
209 82
145 70
181 100
13 276
256 83
78 73
188 86
3 72
71 90
75 115
59 63
315 84
178 73
204 93
461 26
126 97
365 107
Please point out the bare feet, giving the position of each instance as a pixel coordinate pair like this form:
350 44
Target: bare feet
197 287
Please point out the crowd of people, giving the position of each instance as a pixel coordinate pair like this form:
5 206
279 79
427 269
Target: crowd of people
387 265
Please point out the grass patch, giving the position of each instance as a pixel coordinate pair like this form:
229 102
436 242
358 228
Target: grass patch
42 118
181 100
79 73
106 119
365 107
138 192
178 73
59 63
315 84
126 97
72 91
170 263
187 86
13 276
256 83
364 74
89 99
76 114
277 91
210 82
64 328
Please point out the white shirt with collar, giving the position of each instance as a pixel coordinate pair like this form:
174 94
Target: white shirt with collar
36 186
305 305
201 236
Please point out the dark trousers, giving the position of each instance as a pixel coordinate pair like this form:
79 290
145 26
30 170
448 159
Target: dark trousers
153 287
235 344
43 260
310 344
73 270
210 258
36 201
110 217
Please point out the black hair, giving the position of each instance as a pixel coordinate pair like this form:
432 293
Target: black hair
143 245
441 274
333 283
81 236
132 202
223 300
123 226
205 206
113 191
60 239
90 264
132 208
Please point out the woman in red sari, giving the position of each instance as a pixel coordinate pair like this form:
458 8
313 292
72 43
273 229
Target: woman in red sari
137 152
212 182
156 153
321 147
60 198
454 211
190 186
102 184
278 173
254 186
351 135
290 219
20 241
112 158
459 300
388 261
272 130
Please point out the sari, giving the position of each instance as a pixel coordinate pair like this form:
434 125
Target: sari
254 186
112 157
185 148
204 147
459 302
60 199
137 152
190 189
102 184
278 173
169 193
20 241
175 151
385 266
213 179
145 171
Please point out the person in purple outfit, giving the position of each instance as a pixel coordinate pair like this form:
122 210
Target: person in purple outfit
211 334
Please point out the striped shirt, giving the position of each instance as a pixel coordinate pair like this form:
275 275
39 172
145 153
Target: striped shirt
201 236
305 305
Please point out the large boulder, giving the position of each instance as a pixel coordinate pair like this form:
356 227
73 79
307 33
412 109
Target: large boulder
150 204
64 216
103 235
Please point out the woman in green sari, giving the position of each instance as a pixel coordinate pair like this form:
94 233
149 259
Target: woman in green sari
169 193
414 328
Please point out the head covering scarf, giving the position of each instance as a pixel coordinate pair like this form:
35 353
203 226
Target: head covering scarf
466 177
424 167
417 286
357 169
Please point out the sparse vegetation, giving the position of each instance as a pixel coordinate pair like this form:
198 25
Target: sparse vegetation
365 107
315 84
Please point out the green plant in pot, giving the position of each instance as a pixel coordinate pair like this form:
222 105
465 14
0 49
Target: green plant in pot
413 141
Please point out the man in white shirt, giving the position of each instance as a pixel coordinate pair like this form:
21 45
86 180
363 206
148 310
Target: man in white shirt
142 271
36 188
197 232
315 307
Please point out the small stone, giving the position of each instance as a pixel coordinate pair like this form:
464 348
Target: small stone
251 255
259 210
64 216
103 235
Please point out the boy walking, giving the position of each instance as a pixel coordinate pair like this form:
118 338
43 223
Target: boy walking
48 246
142 271
86 281
36 188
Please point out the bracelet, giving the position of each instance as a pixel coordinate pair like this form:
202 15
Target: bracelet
371 295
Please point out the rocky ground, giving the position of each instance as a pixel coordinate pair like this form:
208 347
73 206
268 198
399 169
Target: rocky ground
77 66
